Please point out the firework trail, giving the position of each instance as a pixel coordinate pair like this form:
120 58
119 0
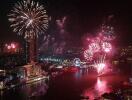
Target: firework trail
100 64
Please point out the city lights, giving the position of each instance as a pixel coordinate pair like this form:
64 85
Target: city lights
11 47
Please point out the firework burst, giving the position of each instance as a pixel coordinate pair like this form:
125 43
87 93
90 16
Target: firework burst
28 18
88 54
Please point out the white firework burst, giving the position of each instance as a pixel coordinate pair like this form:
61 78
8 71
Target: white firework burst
28 18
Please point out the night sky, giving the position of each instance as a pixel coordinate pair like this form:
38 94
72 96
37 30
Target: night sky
83 16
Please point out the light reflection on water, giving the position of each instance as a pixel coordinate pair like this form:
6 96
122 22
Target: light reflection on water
100 87
27 91
35 89
68 86
103 85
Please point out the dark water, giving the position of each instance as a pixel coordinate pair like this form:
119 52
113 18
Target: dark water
68 86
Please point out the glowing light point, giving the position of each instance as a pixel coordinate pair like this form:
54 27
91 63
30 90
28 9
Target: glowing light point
8 47
30 22
13 46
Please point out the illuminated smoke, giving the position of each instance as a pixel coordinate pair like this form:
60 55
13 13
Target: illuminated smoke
55 43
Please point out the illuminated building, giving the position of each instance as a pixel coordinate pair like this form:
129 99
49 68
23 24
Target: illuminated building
69 55
123 60
126 51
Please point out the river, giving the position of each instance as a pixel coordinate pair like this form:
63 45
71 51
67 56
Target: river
67 86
